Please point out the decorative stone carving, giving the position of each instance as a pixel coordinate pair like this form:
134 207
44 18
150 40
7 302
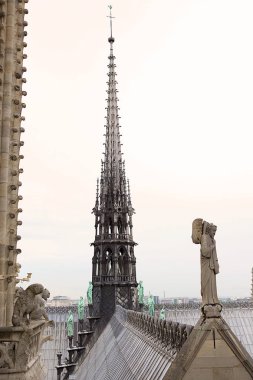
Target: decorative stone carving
70 324
151 305
140 289
162 314
89 293
122 297
40 301
171 335
7 355
203 233
27 305
197 230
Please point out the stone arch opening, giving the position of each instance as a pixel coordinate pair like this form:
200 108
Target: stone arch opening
95 262
107 262
123 261
119 226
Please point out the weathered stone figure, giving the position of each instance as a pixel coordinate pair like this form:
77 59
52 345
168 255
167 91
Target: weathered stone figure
70 324
162 314
25 304
203 233
140 289
40 301
89 293
81 308
70 328
151 305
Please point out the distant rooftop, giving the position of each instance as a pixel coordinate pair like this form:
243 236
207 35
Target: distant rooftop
61 298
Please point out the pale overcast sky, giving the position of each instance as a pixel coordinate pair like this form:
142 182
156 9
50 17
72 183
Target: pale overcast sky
185 82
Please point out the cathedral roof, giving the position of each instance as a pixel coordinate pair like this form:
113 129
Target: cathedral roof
212 352
239 319
132 346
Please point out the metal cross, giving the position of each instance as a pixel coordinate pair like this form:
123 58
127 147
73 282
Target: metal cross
111 17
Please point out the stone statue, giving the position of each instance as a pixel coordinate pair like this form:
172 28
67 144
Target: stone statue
140 289
70 324
151 305
162 314
203 233
40 301
89 293
80 309
25 304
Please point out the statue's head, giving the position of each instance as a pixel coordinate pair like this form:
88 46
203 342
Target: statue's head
212 230
209 229
45 294
35 289
81 298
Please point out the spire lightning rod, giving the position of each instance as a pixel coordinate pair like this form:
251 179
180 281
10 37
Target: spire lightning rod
111 17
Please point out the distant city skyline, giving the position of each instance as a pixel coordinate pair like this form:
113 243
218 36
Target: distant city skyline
185 84
61 300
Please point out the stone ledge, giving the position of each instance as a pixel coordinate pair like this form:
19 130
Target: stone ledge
20 347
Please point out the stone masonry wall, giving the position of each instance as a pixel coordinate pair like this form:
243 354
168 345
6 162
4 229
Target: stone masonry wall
12 24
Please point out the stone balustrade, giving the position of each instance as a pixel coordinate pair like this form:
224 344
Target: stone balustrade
20 349
113 279
171 335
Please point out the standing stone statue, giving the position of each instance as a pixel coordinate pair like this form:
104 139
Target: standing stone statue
140 289
89 293
80 310
151 305
70 324
162 314
89 299
203 234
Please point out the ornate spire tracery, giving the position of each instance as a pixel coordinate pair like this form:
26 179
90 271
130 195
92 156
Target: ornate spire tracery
113 186
113 263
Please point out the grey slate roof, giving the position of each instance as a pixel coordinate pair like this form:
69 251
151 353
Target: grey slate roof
124 353
59 343
239 319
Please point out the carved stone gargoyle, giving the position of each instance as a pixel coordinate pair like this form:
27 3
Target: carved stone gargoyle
30 305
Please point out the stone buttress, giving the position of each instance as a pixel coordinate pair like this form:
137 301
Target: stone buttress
12 32
19 345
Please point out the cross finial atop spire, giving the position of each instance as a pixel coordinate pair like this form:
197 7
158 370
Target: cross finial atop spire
110 39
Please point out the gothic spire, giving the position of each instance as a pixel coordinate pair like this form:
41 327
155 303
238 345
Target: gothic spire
113 263
112 189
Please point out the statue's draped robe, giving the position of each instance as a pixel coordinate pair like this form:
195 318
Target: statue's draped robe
140 294
151 306
162 315
209 269
89 294
70 325
81 309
